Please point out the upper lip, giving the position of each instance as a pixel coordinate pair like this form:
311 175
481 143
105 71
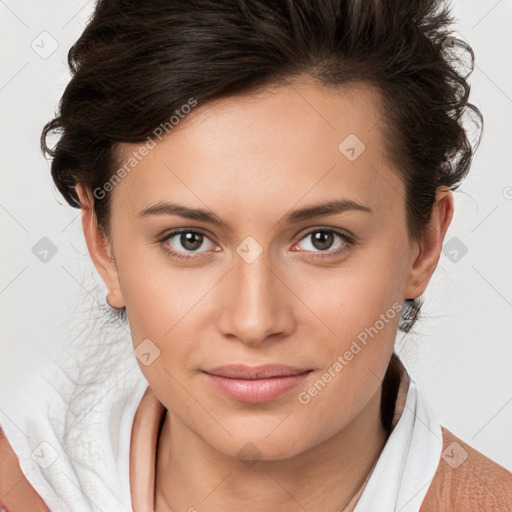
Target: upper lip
241 371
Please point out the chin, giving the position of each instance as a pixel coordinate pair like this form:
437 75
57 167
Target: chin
266 444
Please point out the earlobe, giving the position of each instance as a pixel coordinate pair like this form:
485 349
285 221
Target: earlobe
99 247
430 244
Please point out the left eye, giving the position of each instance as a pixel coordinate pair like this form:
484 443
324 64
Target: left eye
189 240
323 240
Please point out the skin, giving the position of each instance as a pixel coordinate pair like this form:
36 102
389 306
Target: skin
250 160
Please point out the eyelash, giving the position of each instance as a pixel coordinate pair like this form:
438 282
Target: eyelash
347 239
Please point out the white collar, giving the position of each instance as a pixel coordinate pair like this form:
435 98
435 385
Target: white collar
408 462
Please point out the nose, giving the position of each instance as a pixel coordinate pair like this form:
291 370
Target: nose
256 303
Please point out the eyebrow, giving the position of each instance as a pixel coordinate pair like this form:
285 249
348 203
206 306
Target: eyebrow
309 212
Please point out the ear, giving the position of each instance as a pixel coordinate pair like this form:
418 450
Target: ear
100 248
430 245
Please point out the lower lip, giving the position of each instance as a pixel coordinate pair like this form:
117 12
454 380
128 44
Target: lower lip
257 390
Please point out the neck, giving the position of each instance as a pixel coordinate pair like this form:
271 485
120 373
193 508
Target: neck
326 478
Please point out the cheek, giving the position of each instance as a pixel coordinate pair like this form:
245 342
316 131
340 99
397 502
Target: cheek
353 297
158 295
170 306
359 306
364 320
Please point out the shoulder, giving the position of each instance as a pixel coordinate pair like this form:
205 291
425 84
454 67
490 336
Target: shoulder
16 493
467 480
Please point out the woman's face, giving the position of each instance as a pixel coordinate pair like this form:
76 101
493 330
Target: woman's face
263 273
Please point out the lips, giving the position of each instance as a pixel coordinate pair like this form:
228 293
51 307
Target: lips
255 384
240 371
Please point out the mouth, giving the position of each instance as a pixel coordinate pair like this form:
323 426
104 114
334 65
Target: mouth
255 384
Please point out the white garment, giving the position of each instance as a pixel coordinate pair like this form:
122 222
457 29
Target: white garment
408 462
92 441
82 410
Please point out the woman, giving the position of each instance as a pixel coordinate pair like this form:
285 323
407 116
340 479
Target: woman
265 189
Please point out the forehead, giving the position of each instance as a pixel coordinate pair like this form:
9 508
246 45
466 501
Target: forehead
290 143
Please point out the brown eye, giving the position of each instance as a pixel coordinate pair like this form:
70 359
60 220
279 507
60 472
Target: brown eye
322 240
190 240
180 242
327 241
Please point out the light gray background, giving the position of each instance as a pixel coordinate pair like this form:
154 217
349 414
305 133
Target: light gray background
461 351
